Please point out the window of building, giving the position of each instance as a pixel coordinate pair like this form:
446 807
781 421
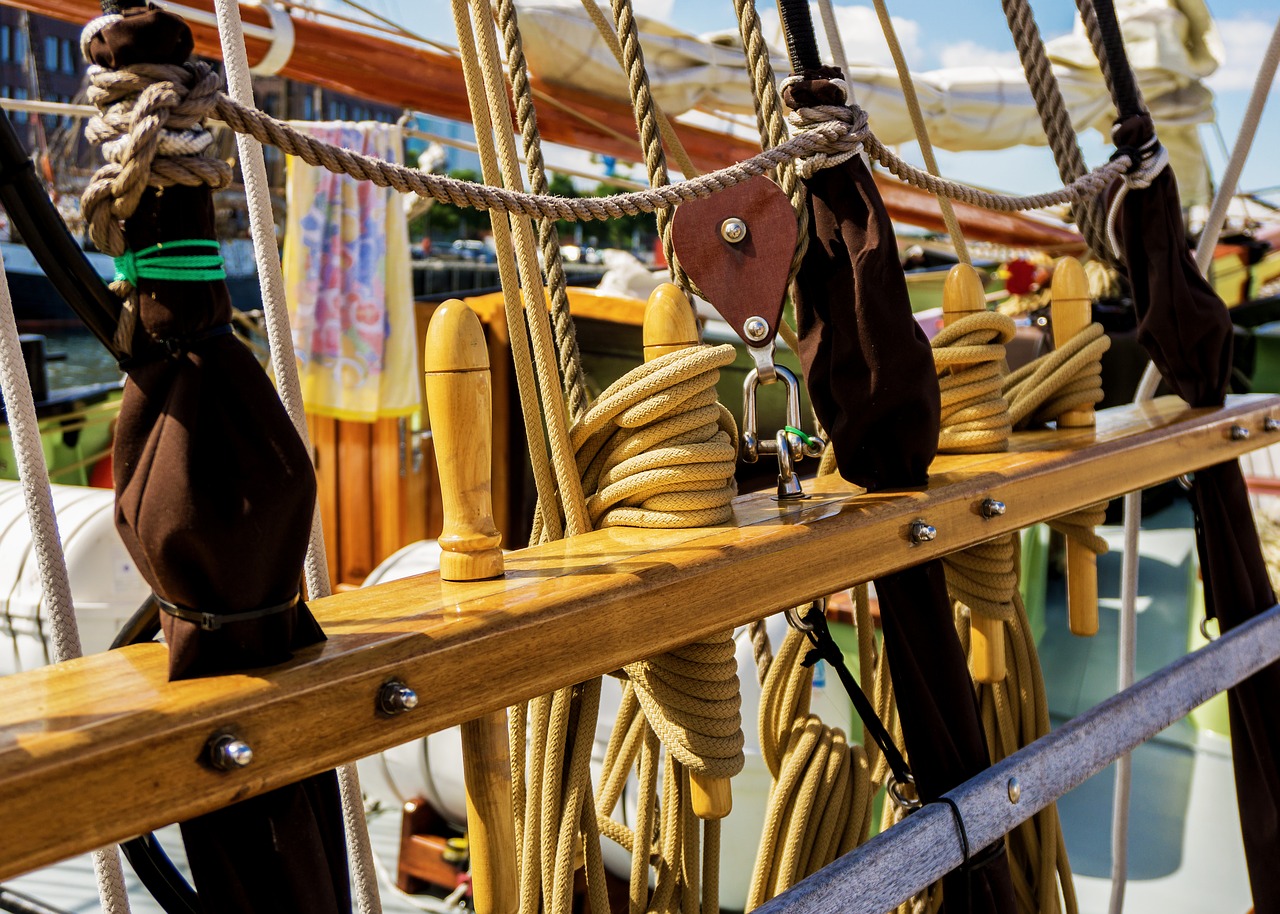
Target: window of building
19 46
67 57
20 117
51 53
6 39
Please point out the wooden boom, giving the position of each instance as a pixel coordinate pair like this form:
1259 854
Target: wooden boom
103 747
355 62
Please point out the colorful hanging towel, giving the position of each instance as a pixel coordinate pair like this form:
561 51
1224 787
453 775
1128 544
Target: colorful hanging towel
347 273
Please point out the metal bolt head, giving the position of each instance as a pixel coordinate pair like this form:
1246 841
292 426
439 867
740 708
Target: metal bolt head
1270 425
755 328
1015 790
990 507
920 532
228 752
396 698
1239 433
733 230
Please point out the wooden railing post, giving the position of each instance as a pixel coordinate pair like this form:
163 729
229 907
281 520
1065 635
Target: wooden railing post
1072 312
961 296
459 401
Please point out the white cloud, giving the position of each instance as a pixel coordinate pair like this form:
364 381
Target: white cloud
654 9
1244 39
860 33
971 54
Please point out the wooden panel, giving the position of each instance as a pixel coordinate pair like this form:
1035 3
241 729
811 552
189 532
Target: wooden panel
389 478
355 502
324 447
106 740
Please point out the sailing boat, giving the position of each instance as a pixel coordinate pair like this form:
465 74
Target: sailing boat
920 535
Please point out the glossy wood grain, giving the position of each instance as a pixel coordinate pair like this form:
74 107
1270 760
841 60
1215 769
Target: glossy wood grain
104 747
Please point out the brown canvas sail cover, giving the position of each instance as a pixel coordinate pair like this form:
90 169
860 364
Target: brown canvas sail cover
1186 329
870 375
214 499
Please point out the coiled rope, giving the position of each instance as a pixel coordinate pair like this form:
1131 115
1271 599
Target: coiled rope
657 450
820 803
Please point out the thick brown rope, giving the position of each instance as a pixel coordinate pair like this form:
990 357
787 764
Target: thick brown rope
1054 117
568 356
771 121
826 131
642 104
151 129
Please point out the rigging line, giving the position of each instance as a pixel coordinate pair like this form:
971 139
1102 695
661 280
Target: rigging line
271 276
1244 142
918 124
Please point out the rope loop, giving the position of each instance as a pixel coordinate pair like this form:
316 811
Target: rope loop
846 146
151 127
1143 165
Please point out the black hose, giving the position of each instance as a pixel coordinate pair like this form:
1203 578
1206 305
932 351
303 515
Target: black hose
1124 86
46 235
157 872
21 903
797 25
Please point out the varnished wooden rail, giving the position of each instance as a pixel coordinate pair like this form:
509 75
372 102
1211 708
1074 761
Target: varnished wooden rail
103 747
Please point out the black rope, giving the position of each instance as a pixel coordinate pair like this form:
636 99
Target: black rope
1123 84
46 236
971 862
15 902
797 25
826 649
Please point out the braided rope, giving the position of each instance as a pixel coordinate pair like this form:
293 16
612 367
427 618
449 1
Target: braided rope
647 124
969 355
772 124
826 129
568 356
1054 117
820 801
1068 378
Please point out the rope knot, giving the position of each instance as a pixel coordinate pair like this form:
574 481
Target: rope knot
838 129
151 128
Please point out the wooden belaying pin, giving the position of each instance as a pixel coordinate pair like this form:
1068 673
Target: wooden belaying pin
1072 312
669 326
963 295
459 402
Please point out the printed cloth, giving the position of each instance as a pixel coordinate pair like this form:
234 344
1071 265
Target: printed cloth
347 275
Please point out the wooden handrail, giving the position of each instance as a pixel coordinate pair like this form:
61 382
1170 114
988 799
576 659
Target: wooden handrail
100 748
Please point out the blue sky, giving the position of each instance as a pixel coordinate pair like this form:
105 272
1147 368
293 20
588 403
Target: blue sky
937 33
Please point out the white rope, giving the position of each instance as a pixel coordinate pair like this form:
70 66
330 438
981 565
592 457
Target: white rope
55 585
280 338
1244 141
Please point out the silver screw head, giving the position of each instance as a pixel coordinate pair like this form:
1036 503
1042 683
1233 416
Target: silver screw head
1015 790
396 698
1239 433
920 532
990 507
733 230
228 752
1270 425
755 328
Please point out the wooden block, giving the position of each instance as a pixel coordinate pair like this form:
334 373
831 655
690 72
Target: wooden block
1072 312
458 396
669 322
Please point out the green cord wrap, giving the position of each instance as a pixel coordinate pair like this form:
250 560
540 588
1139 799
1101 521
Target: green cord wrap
156 262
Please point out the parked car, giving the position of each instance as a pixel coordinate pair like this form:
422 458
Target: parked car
477 251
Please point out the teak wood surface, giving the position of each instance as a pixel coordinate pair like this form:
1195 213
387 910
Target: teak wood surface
104 747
